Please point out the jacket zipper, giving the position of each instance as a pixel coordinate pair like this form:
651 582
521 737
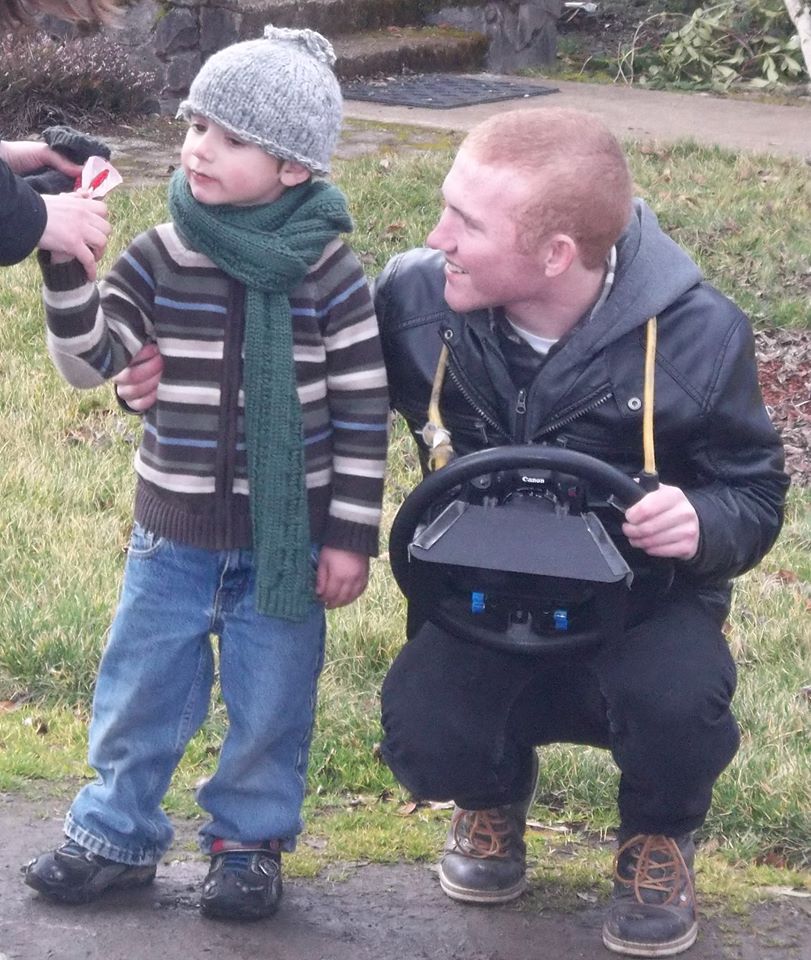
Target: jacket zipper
586 407
589 404
482 413
521 413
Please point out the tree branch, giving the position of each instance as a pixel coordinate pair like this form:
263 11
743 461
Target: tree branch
800 13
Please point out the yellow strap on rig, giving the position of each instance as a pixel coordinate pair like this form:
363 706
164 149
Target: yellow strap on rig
649 478
436 437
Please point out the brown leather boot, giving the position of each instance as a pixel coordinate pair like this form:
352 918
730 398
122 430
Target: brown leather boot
485 855
653 906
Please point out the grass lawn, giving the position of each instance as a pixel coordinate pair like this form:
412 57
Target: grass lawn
65 506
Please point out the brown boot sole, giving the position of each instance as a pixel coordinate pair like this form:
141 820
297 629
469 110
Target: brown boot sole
471 895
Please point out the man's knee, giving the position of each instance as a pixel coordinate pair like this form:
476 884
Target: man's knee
443 735
420 744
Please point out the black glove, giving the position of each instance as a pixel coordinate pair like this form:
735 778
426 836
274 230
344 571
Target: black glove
77 147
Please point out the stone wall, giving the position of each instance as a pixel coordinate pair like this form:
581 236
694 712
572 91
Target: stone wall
172 38
520 33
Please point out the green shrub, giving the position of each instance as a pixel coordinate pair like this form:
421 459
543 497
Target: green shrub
82 82
749 41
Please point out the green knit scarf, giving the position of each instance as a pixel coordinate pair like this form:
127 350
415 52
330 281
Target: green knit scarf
270 248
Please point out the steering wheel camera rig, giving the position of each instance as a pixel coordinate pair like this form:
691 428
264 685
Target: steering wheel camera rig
514 560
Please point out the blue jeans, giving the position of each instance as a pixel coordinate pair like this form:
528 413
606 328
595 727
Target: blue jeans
153 692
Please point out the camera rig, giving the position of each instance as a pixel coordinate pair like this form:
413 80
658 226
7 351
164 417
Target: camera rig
514 559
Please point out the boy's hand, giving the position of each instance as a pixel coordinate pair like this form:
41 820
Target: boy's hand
664 524
342 577
137 384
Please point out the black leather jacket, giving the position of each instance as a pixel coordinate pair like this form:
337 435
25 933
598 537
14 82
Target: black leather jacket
713 435
22 217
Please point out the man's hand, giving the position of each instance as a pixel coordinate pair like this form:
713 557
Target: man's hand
76 227
663 524
137 385
342 577
23 156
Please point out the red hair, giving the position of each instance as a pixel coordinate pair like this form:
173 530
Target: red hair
583 185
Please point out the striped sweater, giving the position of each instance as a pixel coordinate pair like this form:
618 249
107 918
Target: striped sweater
191 463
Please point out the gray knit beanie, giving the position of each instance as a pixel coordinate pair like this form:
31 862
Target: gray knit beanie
279 93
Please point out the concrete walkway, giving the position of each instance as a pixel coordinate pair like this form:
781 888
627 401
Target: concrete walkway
637 114
352 911
147 154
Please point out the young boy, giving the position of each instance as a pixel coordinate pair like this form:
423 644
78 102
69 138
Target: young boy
259 476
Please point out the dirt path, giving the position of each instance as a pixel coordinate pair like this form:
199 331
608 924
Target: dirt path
634 113
352 912
147 153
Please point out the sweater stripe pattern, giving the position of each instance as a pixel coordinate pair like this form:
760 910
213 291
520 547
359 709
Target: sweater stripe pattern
192 461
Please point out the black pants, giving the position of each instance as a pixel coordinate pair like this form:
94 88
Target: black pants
460 719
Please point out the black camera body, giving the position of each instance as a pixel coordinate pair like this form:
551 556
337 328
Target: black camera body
517 561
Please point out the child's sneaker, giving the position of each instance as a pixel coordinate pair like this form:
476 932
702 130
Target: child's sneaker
73 874
244 881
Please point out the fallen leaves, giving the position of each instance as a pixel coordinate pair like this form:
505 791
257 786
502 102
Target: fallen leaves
784 366
786 892
413 806
38 724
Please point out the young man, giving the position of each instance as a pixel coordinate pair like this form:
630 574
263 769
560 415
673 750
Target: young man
541 281
543 276
260 476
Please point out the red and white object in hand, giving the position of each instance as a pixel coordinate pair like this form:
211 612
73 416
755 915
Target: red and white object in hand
98 178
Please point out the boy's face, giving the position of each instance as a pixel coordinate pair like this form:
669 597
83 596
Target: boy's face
221 168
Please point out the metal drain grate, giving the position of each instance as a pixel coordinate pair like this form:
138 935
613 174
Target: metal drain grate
440 90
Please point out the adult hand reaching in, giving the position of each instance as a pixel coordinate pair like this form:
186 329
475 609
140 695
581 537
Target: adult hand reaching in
24 156
77 226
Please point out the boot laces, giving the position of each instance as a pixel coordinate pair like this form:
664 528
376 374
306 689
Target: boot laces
659 868
483 833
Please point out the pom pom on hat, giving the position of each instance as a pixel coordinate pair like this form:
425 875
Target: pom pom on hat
317 45
279 93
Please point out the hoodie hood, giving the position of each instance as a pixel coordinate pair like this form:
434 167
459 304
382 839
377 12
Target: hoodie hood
652 272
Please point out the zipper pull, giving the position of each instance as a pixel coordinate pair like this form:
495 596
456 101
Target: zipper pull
521 416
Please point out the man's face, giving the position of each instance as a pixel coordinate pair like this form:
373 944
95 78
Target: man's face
478 234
